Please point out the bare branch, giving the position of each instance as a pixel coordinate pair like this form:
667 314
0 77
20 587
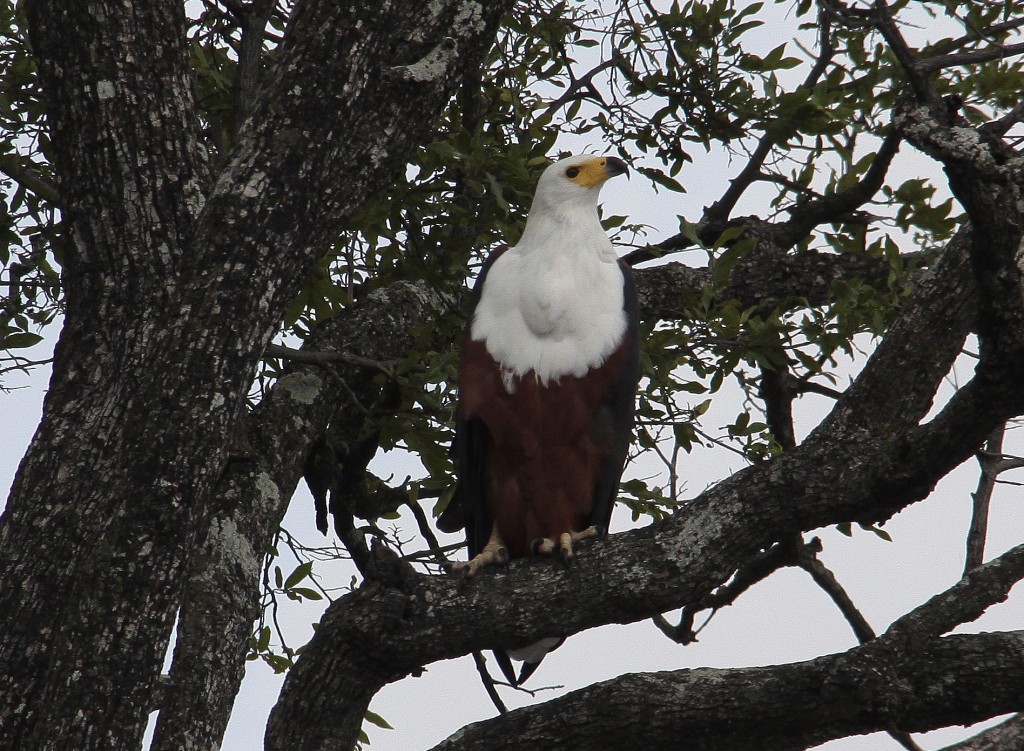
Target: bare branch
936 682
1006 735
981 498
30 179
428 533
825 579
758 568
583 87
996 52
488 681
320 358
965 601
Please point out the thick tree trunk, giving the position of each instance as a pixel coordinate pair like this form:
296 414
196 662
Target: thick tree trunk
222 594
171 300
102 509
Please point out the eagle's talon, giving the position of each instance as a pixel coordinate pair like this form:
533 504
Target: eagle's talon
566 557
543 546
494 554
565 552
460 569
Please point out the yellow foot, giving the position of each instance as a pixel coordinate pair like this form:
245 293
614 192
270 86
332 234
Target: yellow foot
494 553
486 557
563 546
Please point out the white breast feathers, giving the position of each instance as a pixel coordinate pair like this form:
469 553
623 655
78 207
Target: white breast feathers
554 310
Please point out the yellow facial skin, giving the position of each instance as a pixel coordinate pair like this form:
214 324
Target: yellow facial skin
595 171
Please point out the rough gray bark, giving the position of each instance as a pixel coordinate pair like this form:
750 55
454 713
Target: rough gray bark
174 282
940 681
222 593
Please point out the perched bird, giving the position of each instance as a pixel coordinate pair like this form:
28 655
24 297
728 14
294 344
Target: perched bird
547 383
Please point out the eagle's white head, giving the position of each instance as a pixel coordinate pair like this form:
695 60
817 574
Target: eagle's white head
574 183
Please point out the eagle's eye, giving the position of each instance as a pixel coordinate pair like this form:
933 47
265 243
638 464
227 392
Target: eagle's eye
572 172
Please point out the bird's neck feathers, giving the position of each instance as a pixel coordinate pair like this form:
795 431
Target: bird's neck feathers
550 226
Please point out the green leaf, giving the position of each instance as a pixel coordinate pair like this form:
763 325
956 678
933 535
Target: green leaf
301 572
263 640
877 530
375 719
20 340
306 593
660 178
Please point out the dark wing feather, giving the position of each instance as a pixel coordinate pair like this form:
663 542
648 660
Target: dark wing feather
470 453
620 406
470 448
529 668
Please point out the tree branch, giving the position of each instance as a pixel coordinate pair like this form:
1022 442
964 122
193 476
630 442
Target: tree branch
30 179
1008 734
805 216
877 686
962 603
758 568
807 276
996 52
980 500
323 358
825 579
253 19
937 682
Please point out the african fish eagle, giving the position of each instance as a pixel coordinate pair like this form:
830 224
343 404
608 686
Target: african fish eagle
547 383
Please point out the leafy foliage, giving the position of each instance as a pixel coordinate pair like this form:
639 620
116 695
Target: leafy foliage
30 293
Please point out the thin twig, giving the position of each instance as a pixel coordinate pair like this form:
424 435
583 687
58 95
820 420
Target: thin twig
981 499
323 358
582 88
427 532
432 552
807 386
754 570
485 678
825 579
